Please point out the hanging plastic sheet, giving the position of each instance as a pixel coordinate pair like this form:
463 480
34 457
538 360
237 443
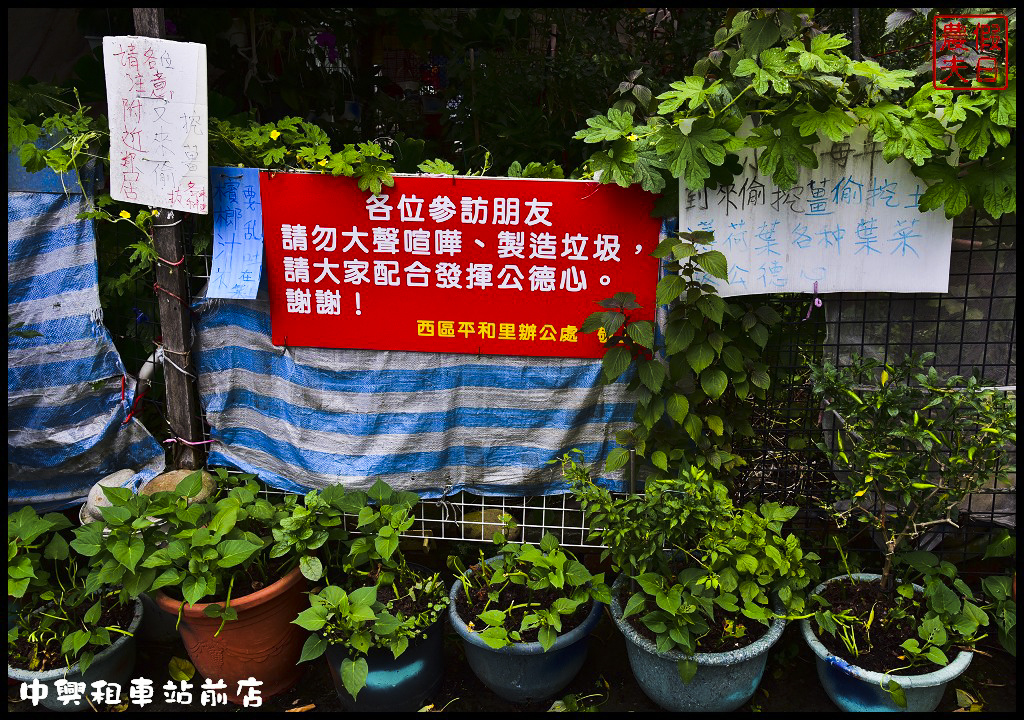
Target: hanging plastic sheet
68 392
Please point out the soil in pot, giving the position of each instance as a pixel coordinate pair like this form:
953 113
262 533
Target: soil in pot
519 595
25 655
881 651
724 634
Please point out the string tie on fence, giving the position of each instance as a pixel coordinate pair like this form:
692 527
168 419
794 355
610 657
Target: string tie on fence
180 369
817 302
188 442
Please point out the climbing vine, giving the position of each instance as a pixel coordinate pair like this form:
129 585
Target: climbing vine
797 86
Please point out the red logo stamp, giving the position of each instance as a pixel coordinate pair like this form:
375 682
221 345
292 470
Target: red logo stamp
970 52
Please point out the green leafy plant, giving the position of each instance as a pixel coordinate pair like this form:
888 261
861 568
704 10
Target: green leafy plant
381 601
210 551
1001 591
797 85
56 619
526 588
696 561
941 614
694 384
911 445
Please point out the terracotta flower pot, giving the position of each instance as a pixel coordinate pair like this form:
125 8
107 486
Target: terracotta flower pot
262 643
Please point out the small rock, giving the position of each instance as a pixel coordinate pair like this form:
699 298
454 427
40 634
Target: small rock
167 481
491 519
96 499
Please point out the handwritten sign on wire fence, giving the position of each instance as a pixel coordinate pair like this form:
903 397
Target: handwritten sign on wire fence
237 233
494 266
157 108
852 224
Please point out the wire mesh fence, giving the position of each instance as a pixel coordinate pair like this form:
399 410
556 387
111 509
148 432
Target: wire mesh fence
971 329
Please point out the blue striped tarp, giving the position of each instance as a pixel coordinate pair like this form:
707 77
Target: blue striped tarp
431 423
65 418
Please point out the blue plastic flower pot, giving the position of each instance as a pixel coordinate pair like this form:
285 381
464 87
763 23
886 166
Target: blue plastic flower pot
855 689
724 681
114 664
393 684
525 672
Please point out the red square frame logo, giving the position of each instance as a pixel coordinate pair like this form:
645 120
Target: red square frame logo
957 39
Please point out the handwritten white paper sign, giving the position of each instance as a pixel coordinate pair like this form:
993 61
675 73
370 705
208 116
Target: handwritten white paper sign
852 225
157 107
237 233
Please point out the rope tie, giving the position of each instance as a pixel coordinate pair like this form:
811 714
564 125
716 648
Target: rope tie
158 288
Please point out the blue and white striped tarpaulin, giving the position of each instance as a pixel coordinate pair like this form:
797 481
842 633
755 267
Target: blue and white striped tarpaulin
65 418
427 422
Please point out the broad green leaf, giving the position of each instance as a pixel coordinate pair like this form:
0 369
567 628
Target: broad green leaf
311 567
314 647
687 670
652 374
129 552
235 552
677 407
977 133
897 694
834 122
759 34
616 459
715 423
669 288
659 460
678 336
689 154
615 362
785 152
353 675
700 356
715 264
714 382
690 91
642 332
616 124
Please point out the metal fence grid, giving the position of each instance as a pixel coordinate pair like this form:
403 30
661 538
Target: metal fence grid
971 328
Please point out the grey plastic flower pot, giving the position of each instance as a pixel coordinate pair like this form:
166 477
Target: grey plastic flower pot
855 689
115 664
525 672
724 681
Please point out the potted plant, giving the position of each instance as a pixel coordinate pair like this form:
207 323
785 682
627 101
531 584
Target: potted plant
525 616
909 446
380 620
705 587
59 628
232 588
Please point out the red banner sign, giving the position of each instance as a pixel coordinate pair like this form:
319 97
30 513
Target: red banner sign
490 266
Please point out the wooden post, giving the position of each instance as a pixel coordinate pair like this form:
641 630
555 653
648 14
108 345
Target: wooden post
174 306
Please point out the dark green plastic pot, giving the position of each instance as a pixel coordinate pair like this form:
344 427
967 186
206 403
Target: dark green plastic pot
400 684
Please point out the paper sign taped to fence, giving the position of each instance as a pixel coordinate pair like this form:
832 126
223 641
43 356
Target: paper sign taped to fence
493 266
157 107
237 233
852 224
